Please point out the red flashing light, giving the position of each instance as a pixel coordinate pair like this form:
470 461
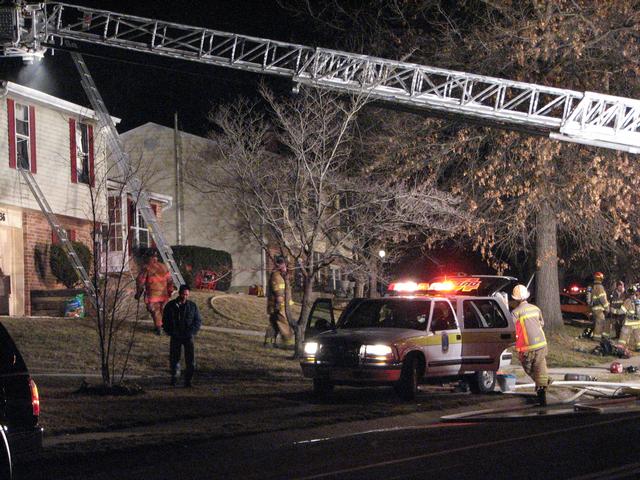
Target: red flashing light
466 284
574 289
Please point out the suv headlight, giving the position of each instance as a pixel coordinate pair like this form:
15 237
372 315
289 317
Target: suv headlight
376 353
311 348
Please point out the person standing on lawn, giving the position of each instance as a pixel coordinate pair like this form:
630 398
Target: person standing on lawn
276 301
155 281
181 321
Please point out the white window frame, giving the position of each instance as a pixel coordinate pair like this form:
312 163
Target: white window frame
82 153
116 260
139 228
22 138
117 226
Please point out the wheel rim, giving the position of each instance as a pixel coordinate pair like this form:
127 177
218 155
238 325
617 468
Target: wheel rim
486 379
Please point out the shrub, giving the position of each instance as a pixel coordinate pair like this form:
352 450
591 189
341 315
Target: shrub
192 259
62 268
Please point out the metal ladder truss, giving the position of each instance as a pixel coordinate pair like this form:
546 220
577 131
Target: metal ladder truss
568 115
60 232
134 186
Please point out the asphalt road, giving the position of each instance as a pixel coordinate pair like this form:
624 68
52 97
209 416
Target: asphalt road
588 446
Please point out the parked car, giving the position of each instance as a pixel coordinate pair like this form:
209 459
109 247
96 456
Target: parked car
572 307
19 401
453 328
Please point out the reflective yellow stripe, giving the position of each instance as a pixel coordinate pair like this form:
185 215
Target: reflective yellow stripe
535 346
432 340
635 323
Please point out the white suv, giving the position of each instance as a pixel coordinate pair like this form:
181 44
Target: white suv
449 328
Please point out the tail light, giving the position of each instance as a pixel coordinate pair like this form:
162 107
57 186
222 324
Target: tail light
35 398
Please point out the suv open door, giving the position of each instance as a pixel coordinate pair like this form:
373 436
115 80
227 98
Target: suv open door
321 318
487 330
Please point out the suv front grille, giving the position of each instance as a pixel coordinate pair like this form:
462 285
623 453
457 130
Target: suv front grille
339 354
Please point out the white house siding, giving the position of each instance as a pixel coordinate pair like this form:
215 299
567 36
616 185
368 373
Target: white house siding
205 223
53 164
23 227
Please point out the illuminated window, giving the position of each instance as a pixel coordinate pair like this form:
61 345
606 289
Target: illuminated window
116 238
82 155
140 236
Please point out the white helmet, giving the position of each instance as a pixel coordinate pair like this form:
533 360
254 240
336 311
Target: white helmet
520 292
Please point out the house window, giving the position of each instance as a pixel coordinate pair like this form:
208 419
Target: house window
116 239
140 231
23 143
82 155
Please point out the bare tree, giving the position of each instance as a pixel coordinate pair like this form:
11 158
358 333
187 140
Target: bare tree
111 307
288 173
530 193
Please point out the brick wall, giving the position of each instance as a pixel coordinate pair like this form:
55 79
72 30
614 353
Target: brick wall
37 234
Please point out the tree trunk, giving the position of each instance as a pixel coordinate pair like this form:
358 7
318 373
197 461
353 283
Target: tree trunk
358 291
547 288
301 326
373 279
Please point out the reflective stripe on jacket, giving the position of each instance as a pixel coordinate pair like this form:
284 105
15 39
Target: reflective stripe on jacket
276 289
599 298
529 323
156 282
630 317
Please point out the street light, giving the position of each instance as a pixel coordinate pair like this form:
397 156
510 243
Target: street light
382 253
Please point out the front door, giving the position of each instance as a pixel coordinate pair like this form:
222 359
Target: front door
443 349
486 332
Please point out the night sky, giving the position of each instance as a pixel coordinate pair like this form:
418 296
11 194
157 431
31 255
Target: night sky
142 88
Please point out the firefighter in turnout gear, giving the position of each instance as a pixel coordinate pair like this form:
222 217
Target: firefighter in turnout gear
155 281
599 306
531 342
630 332
276 301
617 311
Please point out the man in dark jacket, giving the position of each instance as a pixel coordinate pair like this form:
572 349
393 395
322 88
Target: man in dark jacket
181 321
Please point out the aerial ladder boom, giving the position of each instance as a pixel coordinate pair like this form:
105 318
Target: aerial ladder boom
568 115
28 29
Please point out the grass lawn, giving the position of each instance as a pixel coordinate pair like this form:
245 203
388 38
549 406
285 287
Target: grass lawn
241 386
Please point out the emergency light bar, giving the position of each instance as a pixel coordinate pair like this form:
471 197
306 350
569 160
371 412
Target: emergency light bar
457 285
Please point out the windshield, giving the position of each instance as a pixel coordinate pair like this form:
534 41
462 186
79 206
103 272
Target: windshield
388 313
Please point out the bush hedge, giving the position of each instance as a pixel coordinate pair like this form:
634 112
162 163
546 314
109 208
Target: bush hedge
192 259
62 268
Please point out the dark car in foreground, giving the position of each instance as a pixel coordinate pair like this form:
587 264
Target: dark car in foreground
19 401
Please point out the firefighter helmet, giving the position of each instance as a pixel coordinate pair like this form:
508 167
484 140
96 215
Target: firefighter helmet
616 367
598 276
520 292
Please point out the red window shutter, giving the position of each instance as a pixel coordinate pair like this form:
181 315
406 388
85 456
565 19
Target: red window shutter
11 114
32 138
154 207
72 234
73 150
54 238
92 178
131 209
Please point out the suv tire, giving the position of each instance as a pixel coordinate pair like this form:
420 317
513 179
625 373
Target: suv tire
483 381
407 386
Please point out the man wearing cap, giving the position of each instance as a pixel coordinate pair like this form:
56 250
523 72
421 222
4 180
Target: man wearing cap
276 300
156 283
531 342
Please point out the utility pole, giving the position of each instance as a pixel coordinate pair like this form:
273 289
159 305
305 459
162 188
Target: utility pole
179 194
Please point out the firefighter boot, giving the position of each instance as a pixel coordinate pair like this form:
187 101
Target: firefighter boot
542 396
